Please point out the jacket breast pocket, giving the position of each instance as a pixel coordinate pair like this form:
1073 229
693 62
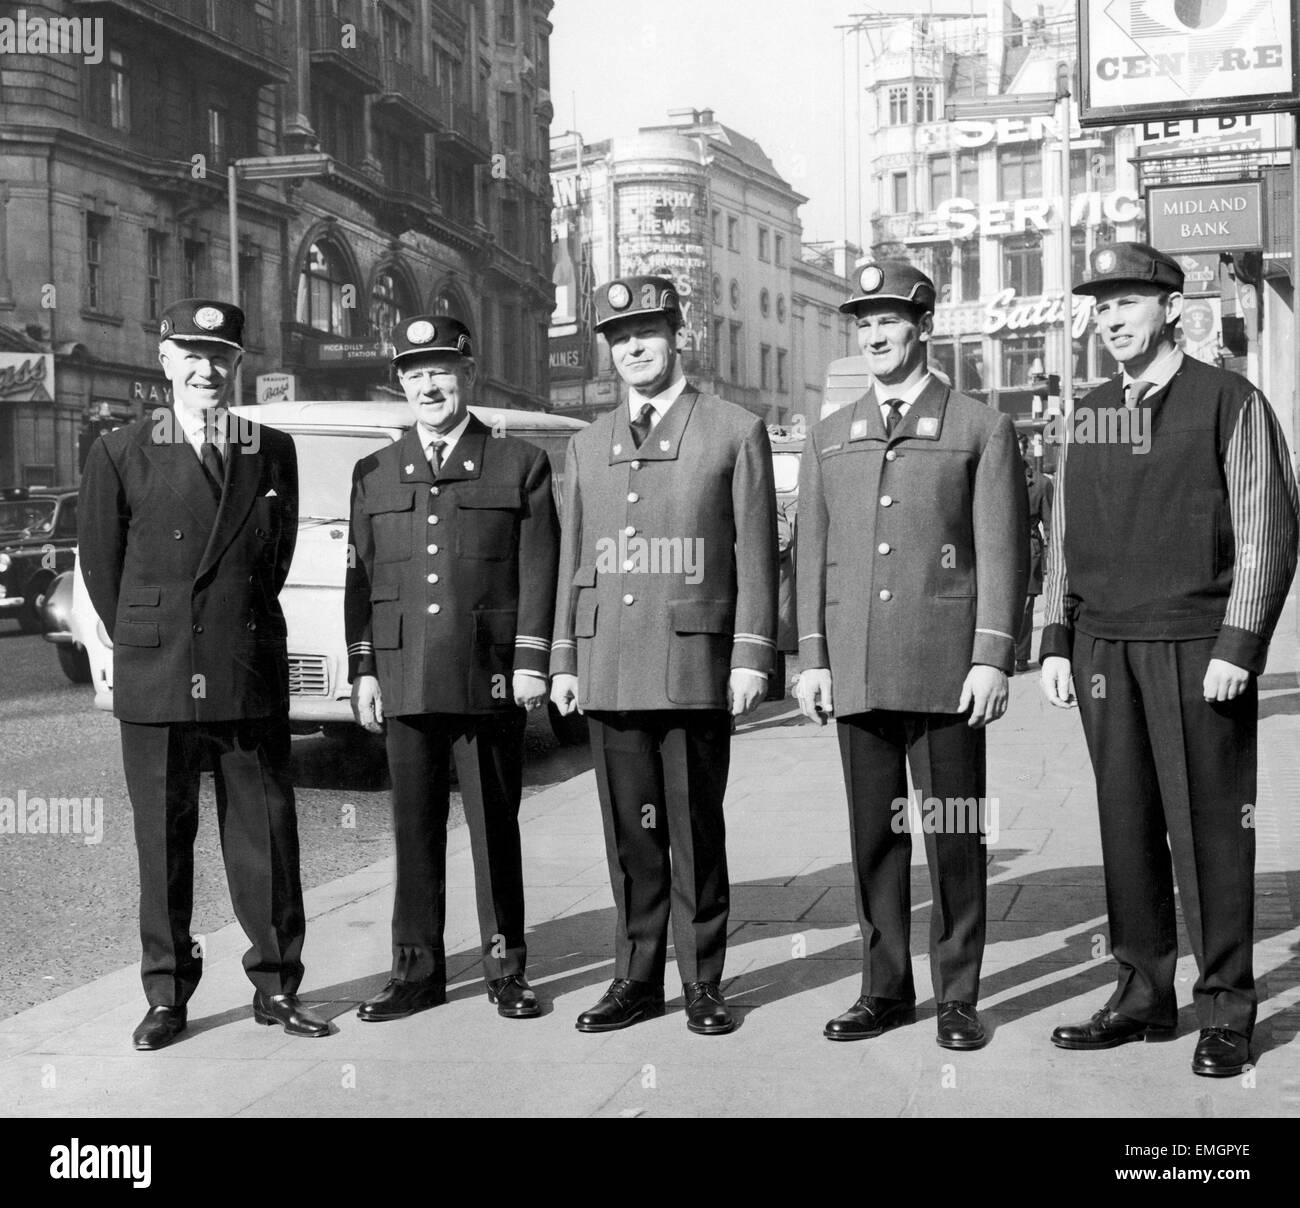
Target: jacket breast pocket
699 651
486 522
392 516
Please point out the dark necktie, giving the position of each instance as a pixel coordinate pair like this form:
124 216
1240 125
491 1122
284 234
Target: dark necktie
1137 391
212 466
435 457
641 425
895 414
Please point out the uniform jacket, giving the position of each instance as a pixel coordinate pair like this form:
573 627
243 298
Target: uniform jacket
912 557
451 586
186 588
668 564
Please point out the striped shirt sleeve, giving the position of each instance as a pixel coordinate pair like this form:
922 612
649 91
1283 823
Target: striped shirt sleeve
1265 525
1057 627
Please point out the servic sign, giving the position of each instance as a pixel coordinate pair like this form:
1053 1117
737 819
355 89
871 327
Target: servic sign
959 217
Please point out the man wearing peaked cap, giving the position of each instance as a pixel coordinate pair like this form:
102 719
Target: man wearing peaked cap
661 657
187 530
447 608
911 576
1163 615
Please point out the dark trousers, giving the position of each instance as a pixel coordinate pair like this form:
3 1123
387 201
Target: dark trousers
1025 638
662 775
489 754
947 761
259 841
1175 774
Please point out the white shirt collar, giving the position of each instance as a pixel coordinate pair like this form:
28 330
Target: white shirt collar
445 443
1159 373
906 397
195 425
660 402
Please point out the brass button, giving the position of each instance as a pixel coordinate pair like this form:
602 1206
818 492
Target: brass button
629 598
886 500
433 519
883 548
177 534
630 531
433 549
435 607
886 594
629 565
251 625
198 628
435 491
636 465
433 578
632 497
891 456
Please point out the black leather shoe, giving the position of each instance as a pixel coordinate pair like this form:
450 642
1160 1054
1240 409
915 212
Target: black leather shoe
707 1013
1106 1030
398 999
960 1026
625 1002
1221 1053
289 1013
514 997
159 1027
870 1017
1022 665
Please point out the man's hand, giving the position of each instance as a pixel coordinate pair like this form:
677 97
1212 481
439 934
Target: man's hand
813 692
1055 681
529 690
985 694
1224 681
744 691
368 703
564 693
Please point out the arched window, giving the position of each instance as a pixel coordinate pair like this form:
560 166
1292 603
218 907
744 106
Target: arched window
326 296
447 301
390 303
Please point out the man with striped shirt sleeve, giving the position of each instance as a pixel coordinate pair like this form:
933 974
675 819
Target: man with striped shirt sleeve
1173 546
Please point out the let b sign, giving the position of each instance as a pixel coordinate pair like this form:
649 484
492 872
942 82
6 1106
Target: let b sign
1185 57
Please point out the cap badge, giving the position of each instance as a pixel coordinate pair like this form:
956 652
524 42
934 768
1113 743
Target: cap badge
871 279
420 332
619 296
209 318
165 327
462 344
1105 261
669 300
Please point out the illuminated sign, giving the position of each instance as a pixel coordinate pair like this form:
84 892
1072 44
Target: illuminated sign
960 218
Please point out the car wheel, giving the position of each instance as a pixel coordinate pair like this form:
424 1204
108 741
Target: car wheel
75 662
569 731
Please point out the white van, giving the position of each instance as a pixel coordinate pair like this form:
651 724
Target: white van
331 437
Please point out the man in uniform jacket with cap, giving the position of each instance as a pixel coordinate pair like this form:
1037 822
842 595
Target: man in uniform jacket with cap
1173 546
665 629
911 580
188 520
448 607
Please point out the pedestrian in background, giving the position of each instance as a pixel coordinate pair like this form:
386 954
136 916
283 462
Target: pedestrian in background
1038 490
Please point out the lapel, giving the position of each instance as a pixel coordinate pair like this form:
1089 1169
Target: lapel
412 465
466 460
924 418
243 476
664 439
172 455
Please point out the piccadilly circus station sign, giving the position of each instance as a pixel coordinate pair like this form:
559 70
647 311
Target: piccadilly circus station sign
1193 57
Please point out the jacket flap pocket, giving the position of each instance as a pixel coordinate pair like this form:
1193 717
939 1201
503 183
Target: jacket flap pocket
135 633
701 616
385 591
495 626
147 597
487 497
398 499
584 615
584 576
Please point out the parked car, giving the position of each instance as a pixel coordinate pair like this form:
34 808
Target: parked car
38 539
330 438
55 608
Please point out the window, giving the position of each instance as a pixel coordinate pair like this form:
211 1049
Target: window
764 302
1018 354
970 271
1022 265
506 21
735 294
96 235
718 367
943 356
971 366
507 120
968 174
119 92
900 193
941 271
1020 171
321 286
155 245
899 108
396 31
510 342
717 228
782 376
765 367
778 243
763 235
1093 168
386 309
940 180
734 351
925 102
510 233
780 308
1078 255
717 289
216 134
733 233
192 268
